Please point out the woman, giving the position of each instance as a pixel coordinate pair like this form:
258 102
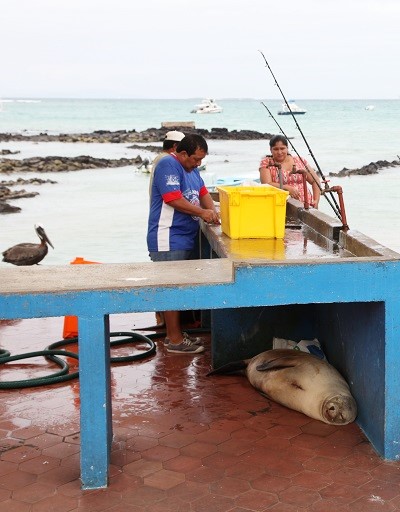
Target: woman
282 161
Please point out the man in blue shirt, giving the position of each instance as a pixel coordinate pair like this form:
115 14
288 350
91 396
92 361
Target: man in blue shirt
179 199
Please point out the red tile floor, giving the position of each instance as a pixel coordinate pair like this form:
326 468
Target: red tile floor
182 442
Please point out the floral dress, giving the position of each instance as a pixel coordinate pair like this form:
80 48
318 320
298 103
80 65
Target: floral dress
293 180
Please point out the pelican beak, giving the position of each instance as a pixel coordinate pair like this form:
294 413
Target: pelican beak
46 239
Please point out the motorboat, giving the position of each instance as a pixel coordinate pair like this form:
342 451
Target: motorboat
294 109
369 107
207 106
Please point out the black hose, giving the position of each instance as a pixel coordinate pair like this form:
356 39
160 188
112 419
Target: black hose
63 375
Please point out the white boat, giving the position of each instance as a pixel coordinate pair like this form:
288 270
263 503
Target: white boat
207 106
369 107
295 109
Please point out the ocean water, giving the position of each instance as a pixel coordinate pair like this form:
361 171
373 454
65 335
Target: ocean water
101 215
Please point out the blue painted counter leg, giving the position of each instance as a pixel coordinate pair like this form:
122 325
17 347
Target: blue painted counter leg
95 395
392 382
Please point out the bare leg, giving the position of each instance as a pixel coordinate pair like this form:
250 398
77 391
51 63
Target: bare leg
160 318
178 343
173 325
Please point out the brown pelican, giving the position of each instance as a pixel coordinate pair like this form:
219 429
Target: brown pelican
27 253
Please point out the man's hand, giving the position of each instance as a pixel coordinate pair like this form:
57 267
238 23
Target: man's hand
210 216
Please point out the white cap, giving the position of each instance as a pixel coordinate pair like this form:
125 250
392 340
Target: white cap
174 135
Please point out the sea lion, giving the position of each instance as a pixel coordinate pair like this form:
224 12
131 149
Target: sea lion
301 382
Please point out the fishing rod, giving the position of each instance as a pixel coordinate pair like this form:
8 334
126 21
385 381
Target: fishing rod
334 207
302 134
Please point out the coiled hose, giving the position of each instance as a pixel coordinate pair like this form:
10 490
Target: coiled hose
52 351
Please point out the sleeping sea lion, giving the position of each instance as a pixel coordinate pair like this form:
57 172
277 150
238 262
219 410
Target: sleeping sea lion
301 382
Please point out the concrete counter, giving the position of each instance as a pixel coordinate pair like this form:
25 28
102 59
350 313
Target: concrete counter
350 303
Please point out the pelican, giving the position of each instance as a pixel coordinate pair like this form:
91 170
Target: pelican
27 253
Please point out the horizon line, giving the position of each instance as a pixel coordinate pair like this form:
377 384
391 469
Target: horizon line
27 98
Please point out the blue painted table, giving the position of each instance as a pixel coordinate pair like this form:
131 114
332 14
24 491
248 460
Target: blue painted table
354 303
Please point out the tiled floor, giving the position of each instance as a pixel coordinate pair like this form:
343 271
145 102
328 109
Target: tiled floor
182 442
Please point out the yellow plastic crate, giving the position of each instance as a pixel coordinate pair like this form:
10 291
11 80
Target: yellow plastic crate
253 212
257 248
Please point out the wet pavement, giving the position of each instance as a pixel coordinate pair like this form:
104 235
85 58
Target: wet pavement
182 441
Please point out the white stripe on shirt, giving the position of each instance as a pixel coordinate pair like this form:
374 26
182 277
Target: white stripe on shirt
164 225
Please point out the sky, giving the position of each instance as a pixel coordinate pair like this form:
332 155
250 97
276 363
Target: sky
317 49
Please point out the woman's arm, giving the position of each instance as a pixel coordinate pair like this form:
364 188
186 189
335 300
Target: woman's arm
266 178
313 179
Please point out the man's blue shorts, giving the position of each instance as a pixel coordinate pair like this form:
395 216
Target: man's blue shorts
170 255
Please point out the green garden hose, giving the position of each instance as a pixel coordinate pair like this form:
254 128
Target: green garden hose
63 375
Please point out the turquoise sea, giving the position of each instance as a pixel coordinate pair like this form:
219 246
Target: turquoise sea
101 215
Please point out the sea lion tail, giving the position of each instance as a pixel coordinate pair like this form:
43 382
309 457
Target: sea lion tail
233 367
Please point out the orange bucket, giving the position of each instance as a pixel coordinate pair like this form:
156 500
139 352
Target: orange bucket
71 322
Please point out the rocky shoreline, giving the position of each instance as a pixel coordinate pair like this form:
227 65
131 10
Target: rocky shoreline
67 164
47 164
62 164
41 165
371 168
126 136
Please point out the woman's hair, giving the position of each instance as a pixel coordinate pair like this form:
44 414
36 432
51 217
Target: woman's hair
277 138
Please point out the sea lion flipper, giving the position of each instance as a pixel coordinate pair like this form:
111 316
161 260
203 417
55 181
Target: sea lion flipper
233 367
275 364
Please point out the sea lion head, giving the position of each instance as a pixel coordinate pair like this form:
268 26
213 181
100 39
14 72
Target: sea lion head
339 410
